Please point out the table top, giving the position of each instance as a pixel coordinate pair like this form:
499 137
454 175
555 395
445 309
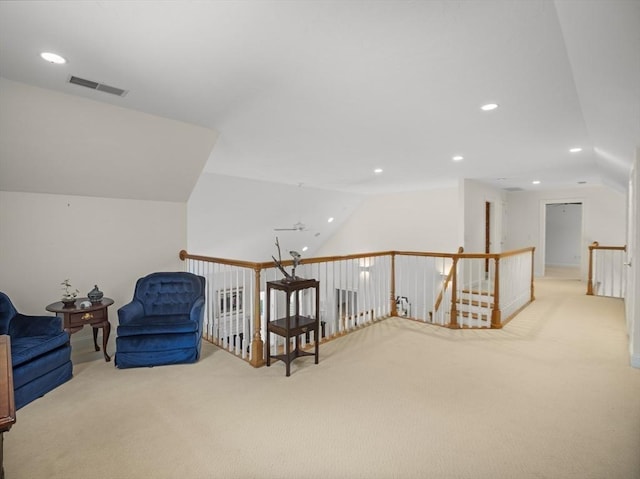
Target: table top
292 285
60 307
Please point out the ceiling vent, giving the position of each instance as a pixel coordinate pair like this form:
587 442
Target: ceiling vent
97 86
515 188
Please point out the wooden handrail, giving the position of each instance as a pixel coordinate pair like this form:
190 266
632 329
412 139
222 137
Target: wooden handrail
325 259
614 248
286 262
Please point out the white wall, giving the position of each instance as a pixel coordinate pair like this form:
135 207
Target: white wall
109 242
230 217
413 221
603 218
563 234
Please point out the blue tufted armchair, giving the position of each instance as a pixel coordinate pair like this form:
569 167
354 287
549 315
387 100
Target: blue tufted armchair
163 323
40 352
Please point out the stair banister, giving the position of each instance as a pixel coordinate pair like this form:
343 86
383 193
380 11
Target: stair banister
590 278
394 309
257 344
454 291
446 281
496 314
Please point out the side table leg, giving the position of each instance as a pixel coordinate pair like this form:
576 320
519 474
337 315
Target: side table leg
95 339
106 330
288 356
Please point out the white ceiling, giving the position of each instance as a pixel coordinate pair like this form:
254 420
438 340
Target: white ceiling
323 92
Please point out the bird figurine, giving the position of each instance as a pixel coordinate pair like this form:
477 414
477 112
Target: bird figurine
296 261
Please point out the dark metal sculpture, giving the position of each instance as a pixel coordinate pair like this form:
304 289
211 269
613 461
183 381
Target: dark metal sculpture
296 261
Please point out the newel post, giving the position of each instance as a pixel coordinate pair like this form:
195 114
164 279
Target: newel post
593 245
533 295
257 344
394 310
496 313
453 319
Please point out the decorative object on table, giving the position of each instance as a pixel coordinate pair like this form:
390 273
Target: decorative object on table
69 296
85 304
95 295
296 261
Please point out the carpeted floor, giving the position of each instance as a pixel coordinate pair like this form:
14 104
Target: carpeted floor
552 395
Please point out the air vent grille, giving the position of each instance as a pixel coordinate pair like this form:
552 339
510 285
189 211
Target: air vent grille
515 188
97 86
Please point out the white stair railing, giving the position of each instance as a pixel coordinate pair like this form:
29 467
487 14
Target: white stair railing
453 290
607 275
516 282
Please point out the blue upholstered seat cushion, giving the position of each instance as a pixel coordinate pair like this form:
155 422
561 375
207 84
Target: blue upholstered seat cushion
27 348
180 323
150 343
31 370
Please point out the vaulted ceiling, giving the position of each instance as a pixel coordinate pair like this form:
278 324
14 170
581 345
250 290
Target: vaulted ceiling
322 92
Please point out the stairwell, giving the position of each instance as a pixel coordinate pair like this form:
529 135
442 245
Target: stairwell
474 305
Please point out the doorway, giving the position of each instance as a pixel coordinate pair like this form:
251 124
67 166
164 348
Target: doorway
563 255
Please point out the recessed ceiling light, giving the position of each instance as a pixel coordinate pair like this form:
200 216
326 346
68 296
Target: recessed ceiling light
489 107
330 220
305 248
53 58
577 149
377 171
458 158
536 182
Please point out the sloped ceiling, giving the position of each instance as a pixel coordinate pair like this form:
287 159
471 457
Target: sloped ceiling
323 92
52 142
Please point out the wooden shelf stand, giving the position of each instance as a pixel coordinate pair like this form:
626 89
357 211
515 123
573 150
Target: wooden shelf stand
293 325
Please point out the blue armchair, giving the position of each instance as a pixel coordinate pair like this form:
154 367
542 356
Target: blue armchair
40 352
163 323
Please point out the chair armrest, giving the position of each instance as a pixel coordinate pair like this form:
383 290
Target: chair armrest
197 312
130 312
22 326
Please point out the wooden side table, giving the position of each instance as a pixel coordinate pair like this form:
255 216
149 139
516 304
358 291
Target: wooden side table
7 403
75 318
293 325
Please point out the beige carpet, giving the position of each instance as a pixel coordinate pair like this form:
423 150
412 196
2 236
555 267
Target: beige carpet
550 396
